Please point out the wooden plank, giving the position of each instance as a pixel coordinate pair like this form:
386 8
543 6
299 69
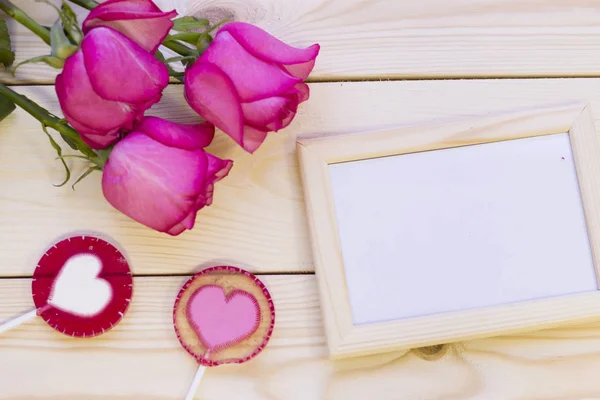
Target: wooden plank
258 218
141 359
400 39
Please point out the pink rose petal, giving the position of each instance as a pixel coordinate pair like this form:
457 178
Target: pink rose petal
125 6
217 168
253 138
187 223
187 137
176 230
140 20
212 95
284 123
268 111
81 104
153 184
253 78
302 92
268 48
120 70
93 138
141 108
301 71
99 141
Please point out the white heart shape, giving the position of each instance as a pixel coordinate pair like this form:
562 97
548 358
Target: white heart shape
77 288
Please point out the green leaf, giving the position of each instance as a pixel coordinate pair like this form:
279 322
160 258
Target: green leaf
59 152
181 58
7 57
189 37
186 24
203 42
70 18
6 107
51 61
70 23
62 47
85 174
159 56
103 156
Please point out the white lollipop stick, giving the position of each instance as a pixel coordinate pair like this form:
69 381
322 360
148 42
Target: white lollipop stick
13 323
196 382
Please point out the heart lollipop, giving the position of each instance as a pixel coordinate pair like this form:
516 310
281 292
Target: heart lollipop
223 315
82 287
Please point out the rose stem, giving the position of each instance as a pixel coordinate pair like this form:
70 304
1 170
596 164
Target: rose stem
46 118
19 15
89 4
176 46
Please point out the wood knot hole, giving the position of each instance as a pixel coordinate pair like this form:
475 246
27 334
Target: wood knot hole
216 14
432 353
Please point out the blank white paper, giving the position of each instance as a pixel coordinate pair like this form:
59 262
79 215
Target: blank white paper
461 228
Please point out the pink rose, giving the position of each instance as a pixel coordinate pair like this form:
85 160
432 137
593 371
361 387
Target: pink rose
140 20
248 83
160 176
107 85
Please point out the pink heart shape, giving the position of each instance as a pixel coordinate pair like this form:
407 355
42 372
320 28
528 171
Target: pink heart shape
222 321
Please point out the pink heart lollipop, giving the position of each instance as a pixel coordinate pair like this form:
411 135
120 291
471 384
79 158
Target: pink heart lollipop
231 318
223 315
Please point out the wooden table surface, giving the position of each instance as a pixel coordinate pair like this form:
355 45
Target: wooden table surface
383 64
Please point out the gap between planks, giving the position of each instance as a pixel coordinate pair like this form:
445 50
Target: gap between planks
400 78
270 273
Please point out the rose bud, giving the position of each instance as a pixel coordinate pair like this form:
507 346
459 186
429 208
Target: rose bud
107 85
248 83
160 176
140 20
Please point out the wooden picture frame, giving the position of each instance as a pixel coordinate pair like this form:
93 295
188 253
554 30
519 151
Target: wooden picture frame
344 338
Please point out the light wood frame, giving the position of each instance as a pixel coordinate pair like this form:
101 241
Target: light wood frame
344 338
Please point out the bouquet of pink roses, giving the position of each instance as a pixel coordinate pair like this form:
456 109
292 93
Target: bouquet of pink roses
243 81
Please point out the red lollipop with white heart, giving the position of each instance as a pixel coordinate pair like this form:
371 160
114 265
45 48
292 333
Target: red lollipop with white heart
223 315
82 287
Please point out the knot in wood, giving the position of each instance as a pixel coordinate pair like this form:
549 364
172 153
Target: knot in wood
432 353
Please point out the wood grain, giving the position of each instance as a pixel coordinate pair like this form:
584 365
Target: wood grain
141 359
236 228
400 39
